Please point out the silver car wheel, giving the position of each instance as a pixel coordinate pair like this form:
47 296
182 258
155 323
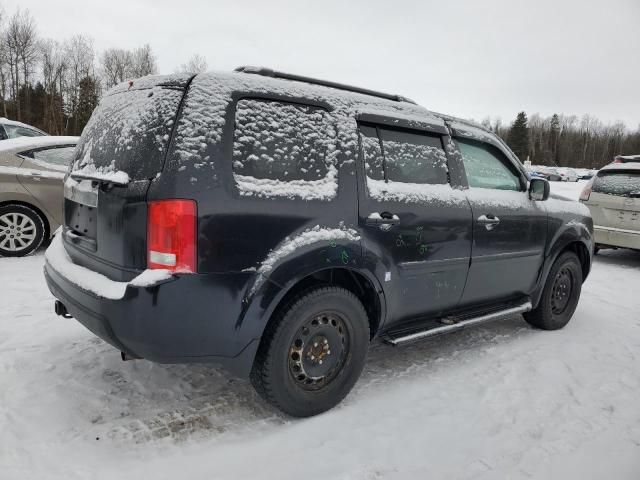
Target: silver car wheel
17 231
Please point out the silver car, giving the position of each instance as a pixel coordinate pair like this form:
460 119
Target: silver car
613 196
32 170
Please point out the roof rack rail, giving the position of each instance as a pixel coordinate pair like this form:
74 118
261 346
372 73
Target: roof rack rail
268 72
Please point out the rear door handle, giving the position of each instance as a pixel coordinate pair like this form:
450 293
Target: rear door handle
489 221
384 220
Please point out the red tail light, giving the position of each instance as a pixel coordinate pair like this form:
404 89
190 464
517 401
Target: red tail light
171 235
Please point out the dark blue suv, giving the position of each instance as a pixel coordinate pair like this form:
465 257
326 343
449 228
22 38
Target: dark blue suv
276 224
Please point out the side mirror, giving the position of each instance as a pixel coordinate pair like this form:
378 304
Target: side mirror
539 189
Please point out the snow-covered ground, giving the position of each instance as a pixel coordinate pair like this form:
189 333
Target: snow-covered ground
497 401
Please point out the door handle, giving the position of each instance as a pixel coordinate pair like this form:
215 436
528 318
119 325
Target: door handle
489 221
384 220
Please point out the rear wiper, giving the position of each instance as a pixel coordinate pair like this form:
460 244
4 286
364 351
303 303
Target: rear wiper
101 178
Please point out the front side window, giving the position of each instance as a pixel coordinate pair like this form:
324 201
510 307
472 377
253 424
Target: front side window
56 156
486 166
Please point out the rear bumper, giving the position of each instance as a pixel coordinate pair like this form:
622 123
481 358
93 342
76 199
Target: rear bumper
617 237
189 319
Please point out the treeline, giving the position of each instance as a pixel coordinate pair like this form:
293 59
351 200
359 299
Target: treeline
56 85
566 140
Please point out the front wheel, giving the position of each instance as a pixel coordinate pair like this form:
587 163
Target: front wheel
560 295
313 352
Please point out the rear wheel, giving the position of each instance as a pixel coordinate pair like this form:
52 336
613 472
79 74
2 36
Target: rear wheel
21 230
560 296
313 353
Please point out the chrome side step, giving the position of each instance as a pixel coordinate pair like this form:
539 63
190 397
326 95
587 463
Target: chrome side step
419 335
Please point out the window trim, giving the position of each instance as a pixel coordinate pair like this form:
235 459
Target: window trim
509 164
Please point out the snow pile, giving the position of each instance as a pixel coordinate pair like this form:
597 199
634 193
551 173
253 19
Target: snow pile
290 245
323 189
414 192
107 174
28 143
92 281
151 277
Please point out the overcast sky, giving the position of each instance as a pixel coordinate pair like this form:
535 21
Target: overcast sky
468 58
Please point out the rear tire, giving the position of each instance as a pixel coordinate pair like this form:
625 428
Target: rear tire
313 352
560 295
21 230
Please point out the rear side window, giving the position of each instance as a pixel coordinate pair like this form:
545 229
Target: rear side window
399 156
281 141
56 156
487 167
621 183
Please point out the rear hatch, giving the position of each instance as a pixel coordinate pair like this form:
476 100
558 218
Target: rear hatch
121 150
615 199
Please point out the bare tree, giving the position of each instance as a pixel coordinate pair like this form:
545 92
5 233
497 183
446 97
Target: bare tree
196 64
80 59
53 58
143 62
116 66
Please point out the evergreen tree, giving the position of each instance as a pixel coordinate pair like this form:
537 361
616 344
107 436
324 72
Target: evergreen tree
518 138
87 101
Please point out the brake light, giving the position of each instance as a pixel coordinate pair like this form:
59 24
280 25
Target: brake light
171 235
586 191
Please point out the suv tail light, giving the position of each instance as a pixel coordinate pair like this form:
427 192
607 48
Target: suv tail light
586 191
171 235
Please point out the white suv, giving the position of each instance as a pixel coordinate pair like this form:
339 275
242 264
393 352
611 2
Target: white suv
613 196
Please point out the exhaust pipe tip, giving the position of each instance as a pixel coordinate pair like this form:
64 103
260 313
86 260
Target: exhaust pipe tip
126 357
61 310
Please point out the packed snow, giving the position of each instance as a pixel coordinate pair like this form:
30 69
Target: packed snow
94 282
491 402
28 143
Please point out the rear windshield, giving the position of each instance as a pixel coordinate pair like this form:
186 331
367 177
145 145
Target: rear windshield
129 132
621 183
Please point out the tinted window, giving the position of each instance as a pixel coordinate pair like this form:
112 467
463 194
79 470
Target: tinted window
281 141
56 156
413 158
617 183
400 156
14 131
486 166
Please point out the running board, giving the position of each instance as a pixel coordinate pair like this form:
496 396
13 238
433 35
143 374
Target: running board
452 324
